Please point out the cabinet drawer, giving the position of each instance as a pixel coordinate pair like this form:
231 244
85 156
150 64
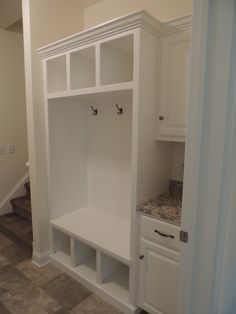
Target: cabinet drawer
160 232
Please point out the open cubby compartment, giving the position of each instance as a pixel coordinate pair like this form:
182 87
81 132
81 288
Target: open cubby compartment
90 156
61 246
84 260
56 74
82 68
117 57
114 277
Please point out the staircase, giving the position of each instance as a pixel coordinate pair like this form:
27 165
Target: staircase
18 224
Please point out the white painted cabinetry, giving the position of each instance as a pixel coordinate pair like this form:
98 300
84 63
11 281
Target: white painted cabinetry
102 156
172 112
100 105
158 267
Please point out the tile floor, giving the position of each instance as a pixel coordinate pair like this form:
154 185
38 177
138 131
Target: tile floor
25 288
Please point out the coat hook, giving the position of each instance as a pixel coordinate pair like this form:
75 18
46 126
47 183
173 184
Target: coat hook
120 110
95 111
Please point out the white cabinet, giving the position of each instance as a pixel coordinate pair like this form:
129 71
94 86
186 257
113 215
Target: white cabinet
158 278
172 113
158 269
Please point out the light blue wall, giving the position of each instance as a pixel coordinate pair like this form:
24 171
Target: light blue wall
209 276
224 300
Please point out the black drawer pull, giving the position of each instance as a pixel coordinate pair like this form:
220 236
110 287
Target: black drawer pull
164 235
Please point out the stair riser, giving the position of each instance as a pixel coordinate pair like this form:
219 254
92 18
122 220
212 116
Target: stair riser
18 225
27 189
22 213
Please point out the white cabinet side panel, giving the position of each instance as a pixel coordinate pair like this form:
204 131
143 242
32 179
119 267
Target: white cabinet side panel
154 158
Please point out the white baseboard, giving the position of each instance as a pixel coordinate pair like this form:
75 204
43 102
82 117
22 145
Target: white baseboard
40 259
17 191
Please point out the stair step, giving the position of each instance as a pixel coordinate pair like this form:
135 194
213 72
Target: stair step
27 188
17 229
22 207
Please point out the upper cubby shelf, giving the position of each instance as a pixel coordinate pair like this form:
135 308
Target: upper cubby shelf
117 60
82 71
82 68
56 74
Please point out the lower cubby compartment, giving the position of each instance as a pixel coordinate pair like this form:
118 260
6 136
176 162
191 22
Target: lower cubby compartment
115 278
100 272
61 247
84 260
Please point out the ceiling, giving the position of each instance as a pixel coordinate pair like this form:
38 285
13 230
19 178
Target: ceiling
10 12
86 3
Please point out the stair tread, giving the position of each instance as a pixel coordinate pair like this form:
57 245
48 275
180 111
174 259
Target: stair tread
17 228
22 202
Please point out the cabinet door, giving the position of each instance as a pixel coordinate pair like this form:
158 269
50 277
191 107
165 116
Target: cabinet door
174 85
158 273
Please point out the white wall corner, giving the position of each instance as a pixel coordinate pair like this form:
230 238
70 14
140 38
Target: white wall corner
17 191
40 259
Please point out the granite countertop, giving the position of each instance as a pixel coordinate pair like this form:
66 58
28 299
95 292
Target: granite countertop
167 206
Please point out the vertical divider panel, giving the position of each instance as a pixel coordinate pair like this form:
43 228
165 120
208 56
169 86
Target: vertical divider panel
132 287
99 266
68 86
133 273
73 252
98 64
52 250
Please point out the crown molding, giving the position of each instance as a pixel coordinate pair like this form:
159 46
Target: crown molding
176 25
140 19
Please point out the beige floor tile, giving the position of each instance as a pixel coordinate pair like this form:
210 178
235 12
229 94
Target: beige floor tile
3 309
3 262
14 254
38 275
30 299
66 291
11 279
94 304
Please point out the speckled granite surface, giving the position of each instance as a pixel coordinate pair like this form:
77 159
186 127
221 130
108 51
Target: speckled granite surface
166 207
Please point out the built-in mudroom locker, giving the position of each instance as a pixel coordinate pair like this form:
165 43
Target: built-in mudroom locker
107 154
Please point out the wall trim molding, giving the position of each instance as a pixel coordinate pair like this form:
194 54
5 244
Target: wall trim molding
17 191
40 259
176 25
